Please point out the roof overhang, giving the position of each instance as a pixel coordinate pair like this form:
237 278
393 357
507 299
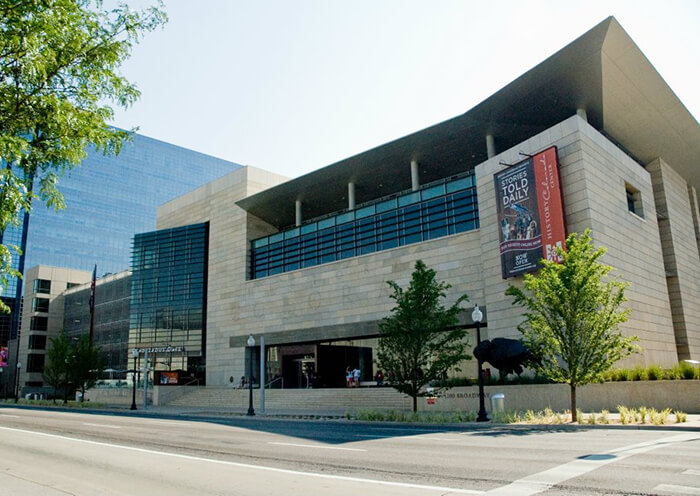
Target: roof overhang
603 72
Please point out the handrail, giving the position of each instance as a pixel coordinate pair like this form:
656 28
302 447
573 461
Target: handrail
267 386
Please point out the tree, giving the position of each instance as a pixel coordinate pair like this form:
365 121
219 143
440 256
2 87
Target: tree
572 316
59 74
85 364
419 342
56 367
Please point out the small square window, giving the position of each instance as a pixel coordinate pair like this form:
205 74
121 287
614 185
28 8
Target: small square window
40 305
634 200
42 286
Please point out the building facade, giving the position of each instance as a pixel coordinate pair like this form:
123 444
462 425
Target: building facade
304 263
108 200
168 299
111 321
42 319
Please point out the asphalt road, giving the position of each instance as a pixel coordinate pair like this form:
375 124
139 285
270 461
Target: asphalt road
51 453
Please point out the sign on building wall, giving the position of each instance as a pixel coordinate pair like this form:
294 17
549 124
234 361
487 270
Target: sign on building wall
530 214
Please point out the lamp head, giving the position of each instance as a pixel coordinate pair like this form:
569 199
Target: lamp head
476 314
251 340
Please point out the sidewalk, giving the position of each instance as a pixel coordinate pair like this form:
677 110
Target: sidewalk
209 413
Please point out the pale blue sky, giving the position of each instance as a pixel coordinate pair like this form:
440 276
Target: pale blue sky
291 86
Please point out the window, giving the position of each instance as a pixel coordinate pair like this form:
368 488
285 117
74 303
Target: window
35 362
37 342
40 305
72 284
42 286
634 200
435 211
39 324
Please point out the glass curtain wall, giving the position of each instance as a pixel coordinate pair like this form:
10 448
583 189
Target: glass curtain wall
437 210
168 296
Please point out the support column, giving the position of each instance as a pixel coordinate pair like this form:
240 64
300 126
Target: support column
581 112
490 146
297 208
415 183
351 196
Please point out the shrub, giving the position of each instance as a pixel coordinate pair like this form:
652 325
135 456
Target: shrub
655 373
643 414
660 417
680 416
639 374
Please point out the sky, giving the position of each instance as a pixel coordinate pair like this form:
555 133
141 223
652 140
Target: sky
292 86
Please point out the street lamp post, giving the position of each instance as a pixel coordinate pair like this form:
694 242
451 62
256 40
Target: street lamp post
134 355
476 317
251 343
19 366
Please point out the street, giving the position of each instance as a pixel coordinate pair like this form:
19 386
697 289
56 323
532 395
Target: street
58 453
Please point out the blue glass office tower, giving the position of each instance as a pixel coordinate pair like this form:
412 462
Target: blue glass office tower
108 200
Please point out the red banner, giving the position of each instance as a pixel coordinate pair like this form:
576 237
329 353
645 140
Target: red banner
549 202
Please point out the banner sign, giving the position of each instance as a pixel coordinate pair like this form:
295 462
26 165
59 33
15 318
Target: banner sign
161 349
530 214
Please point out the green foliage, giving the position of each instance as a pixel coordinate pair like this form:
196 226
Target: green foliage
639 373
59 74
85 363
416 417
655 373
72 364
680 371
684 370
419 342
572 316
56 366
680 416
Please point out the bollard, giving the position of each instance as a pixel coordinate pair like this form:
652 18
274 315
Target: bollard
498 402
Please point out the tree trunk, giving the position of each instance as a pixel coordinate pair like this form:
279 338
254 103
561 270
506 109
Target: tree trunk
415 403
573 402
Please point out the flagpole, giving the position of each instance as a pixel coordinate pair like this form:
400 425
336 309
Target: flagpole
92 302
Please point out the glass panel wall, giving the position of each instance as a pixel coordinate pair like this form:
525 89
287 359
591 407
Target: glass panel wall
168 296
435 211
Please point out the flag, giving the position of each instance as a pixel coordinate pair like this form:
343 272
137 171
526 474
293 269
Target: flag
92 301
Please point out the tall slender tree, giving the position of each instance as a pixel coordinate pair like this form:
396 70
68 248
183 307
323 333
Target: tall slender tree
420 342
57 362
572 313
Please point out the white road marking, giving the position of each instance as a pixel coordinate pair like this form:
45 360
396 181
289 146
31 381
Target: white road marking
691 472
673 489
317 447
418 438
254 467
102 425
433 438
6 415
536 483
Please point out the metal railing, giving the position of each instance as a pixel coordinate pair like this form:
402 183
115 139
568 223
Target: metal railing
280 379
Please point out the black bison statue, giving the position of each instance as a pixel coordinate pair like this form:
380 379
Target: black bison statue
507 355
